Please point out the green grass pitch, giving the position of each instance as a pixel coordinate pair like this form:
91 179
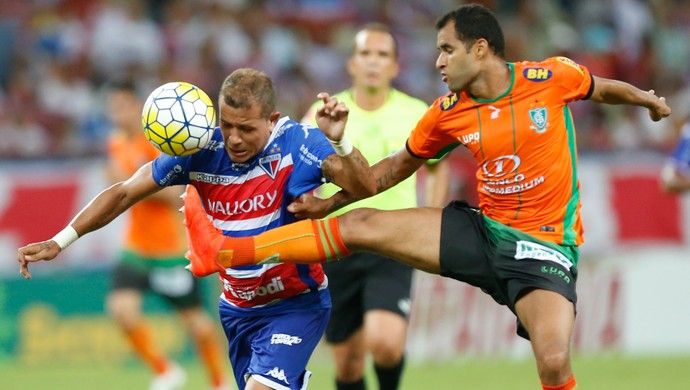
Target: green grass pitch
598 372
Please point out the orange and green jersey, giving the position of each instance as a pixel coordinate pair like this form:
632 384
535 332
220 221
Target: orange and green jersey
154 228
524 144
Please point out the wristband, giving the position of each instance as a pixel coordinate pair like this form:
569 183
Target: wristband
66 236
342 147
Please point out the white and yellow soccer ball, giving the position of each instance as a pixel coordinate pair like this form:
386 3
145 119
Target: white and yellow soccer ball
178 118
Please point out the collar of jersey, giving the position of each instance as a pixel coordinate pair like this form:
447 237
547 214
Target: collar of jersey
511 67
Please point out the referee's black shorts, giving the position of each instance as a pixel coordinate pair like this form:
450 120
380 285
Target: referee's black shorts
495 263
362 282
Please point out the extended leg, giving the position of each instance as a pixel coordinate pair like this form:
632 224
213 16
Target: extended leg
411 236
208 343
548 317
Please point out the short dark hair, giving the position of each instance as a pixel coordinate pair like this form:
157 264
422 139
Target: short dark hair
475 21
246 86
378 27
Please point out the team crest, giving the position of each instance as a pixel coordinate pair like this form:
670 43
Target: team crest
539 117
270 164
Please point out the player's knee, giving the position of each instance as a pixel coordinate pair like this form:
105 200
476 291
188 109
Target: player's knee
387 353
349 367
197 322
122 311
553 364
357 224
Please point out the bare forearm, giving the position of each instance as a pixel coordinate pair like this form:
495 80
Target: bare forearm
394 169
387 172
114 200
618 92
351 173
102 210
610 91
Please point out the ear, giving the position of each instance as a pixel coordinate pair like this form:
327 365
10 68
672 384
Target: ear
273 118
481 48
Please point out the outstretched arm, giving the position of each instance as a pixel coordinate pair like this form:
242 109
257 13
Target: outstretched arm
102 209
619 92
347 168
387 172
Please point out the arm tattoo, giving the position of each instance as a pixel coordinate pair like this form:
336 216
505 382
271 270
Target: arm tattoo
359 160
327 169
338 203
341 199
384 182
327 164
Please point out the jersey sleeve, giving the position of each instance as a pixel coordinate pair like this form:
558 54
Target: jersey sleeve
169 170
309 148
575 79
427 140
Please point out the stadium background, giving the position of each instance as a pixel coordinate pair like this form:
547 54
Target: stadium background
56 56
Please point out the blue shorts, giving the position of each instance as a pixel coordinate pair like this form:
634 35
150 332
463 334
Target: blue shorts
273 348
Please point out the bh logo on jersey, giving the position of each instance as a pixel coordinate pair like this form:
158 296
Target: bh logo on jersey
449 102
539 116
537 74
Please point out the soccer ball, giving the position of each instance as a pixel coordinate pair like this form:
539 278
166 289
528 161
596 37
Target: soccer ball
178 118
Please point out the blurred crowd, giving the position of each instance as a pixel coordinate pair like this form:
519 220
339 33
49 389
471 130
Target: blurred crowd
58 56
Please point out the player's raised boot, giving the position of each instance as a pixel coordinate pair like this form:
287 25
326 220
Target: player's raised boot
172 379
204 239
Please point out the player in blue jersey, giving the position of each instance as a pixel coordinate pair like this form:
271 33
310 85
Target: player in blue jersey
256 164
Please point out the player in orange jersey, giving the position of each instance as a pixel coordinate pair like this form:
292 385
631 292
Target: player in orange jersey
153 255
521 245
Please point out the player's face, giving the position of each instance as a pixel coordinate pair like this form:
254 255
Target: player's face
373 64
245 131
458 67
